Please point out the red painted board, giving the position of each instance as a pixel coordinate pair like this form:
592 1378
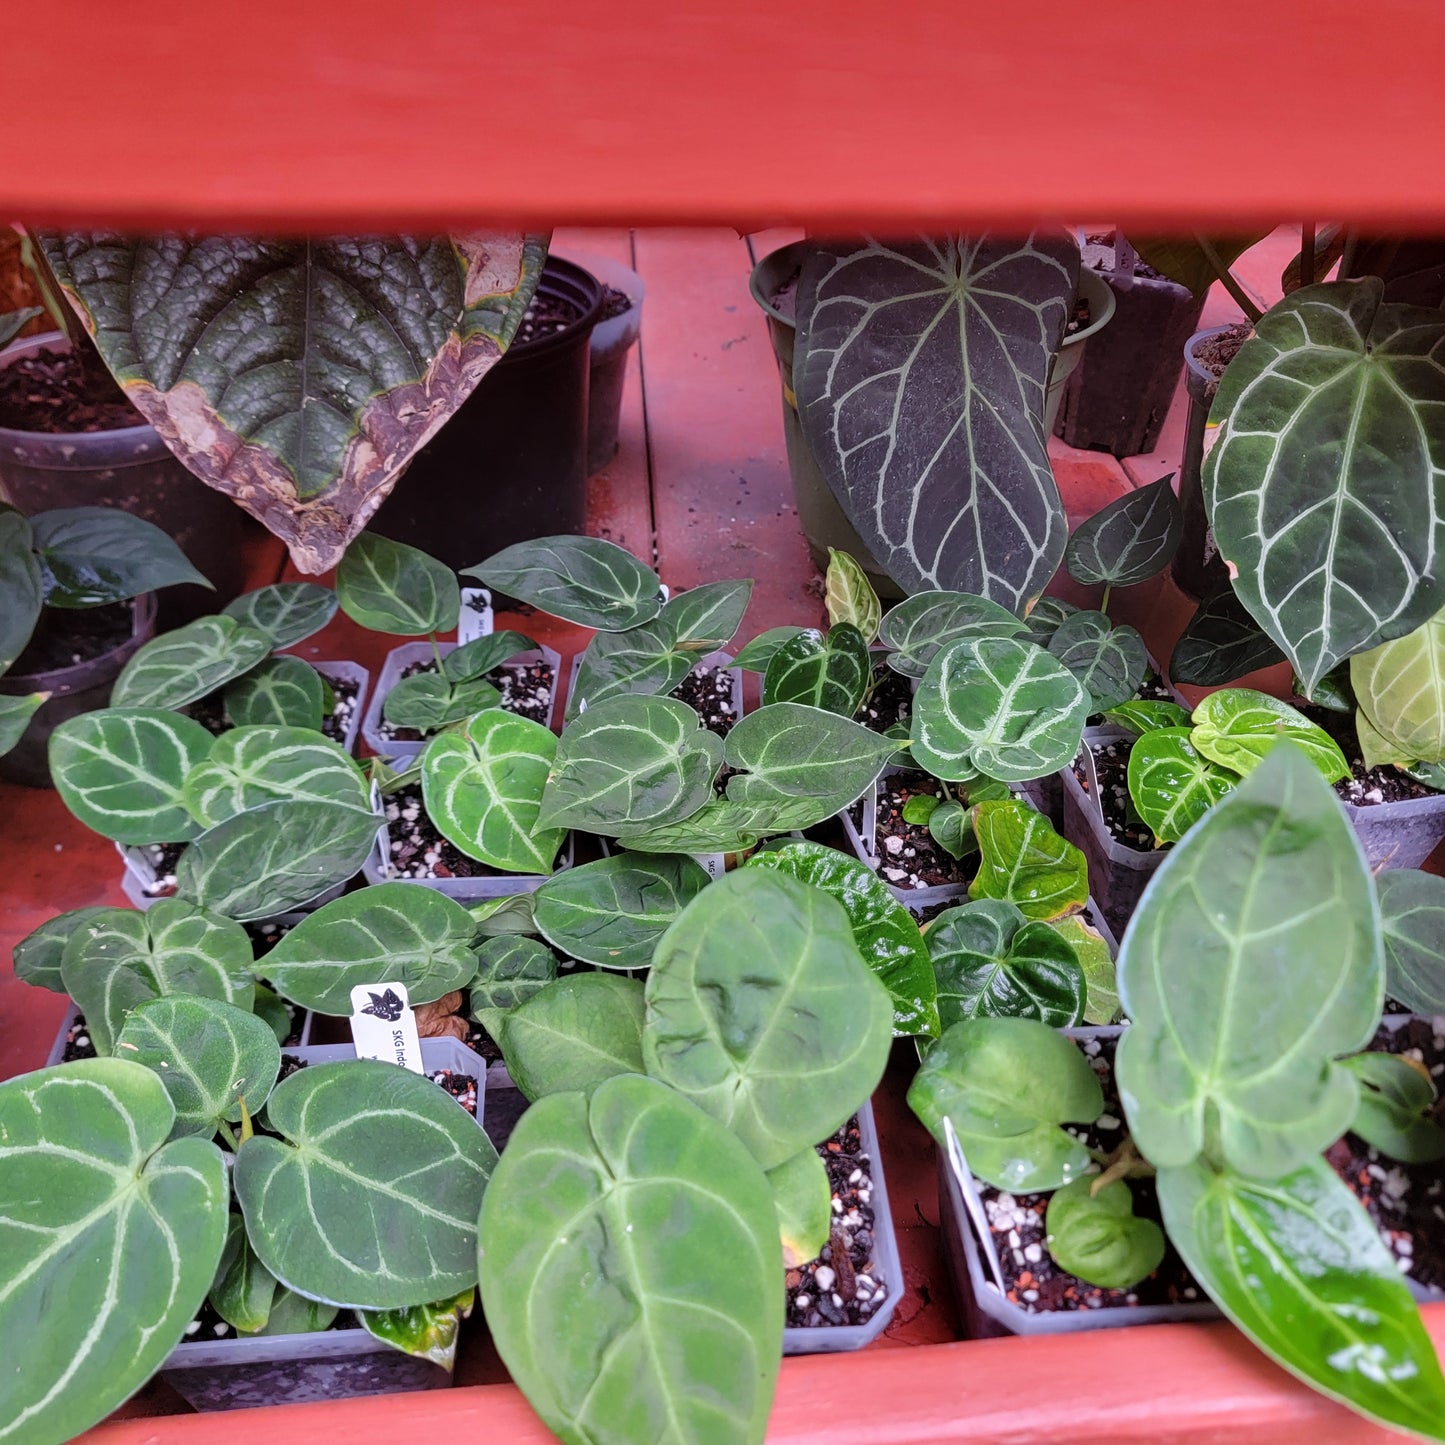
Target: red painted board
360 113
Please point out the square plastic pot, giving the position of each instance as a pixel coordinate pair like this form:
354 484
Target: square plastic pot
707 659
400 658
1399 835
349 672
140 882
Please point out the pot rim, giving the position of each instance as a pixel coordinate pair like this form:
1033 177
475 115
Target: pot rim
143 613
58 341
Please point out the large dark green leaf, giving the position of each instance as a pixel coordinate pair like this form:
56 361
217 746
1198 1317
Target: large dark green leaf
643 659
287 612
299 376
93 555
111 1238
1024 862
678 1333
1221 642
921 626
22 591
1412 918
250 766
369 1196
1326 486
1171 784
278 692
1298 1265
387 586
1130 540
829 671
510 970
179 667
921 369
706 617
585 580
1253 962
1110 662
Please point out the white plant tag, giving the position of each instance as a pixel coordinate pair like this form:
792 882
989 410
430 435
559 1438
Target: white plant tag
476 618
713 864
383 1025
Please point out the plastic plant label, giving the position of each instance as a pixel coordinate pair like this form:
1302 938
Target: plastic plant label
713 864
383 1025
476 618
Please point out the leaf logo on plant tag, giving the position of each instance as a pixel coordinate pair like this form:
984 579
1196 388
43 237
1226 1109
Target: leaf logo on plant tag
385 1006
383 1025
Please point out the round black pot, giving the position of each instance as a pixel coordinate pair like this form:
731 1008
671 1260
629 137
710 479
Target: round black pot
511 464
73 690
133 469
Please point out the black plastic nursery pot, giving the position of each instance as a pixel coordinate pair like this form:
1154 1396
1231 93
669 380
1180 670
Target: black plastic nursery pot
511 464
612 339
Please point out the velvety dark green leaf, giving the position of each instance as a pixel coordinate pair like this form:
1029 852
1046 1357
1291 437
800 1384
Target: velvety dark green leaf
921 626
1329 439
1024 862
802 1197
278 692
478 657
22 590
1237 726
427 701
1098 1236
1221 642
244 1289
1412 920
112 1237
510 970
179 667
761 1010
1143 715
428 1331
250 766
371 1193
1397 1099
90 556
631 763
1007 1086
1171 784
706 617
287 612
759 652
644 659
885 931
1101 998
1044 618
723 827
387 586
1400 687
1334 690
585 580
849 595
1299 1266
829 671
15 715
1130 540
921 370
1000 707
1252 963
1110 662
37 956
679 1335
269 1006
612 912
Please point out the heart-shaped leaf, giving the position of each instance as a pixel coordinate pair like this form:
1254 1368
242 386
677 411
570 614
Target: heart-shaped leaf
1008 1086
427 701
123 958
829 671
1412 917
990 961
371 1193
1253 962
121 1233
427 1331
1300 1267
390 932
921 369
1130 540
722 827
37 956
756 656
572 1034
1024 862
1329 436
682 1336
1184 259
15 715
1098 1237
511 913
707 617
644 659
1221 642
90 556
631 763
585 580
1237 726
299 376
210 1056
1000 707
802 1196
761 1010
510 970
483 788
1110 662
475 659
278 692
1173 785
1101 986
849 595
245 1289
386 586
1400 687
179 667
122 772
287 612
1044 619
1396 1102
250 766
885 932
274 858
21 586
950 825
921 626
612 912
1143 715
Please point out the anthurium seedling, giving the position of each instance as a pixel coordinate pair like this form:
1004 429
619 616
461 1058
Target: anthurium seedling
1221 642
1109 659
1128 541
1397 1099
948 819
430 700
1412 919
1023 861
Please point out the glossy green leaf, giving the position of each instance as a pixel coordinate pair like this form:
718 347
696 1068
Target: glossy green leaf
921 626
920 808
428 1331
1253 961
803 1199
849 595
371 1193
644 659
278 692
1400 687
37 956
1412 921
483 788
90 556
722 827
15 715
1098 1236
210 1056
990 961
572 1033
1130 540
1044 619
510 970
1333 691
631 763
1101 985
294 1314
950 825
679 1335
758 653
1329 439
921 369
390 932
1142 715
111 1237
830 670
707 617
1397 1100
761 1010
1110 662
1171 784
885 932
1024 862
179 667
244 1288
250 766
22 590
427 701
1000 707
1221 642
1298 1265
287 612
123 958
1008 1086
612 912
585 580
122 771
274 858
1236 727
386 586
481 655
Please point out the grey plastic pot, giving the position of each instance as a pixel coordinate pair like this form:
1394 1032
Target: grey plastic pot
1399 835
348 672
612 339
144 887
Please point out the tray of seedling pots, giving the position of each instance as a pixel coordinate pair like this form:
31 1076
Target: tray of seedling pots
348 682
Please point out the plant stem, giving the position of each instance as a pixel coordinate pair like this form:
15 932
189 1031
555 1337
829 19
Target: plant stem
1108 593
1242 299
1307 253
1347 259
435 649
228 1134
